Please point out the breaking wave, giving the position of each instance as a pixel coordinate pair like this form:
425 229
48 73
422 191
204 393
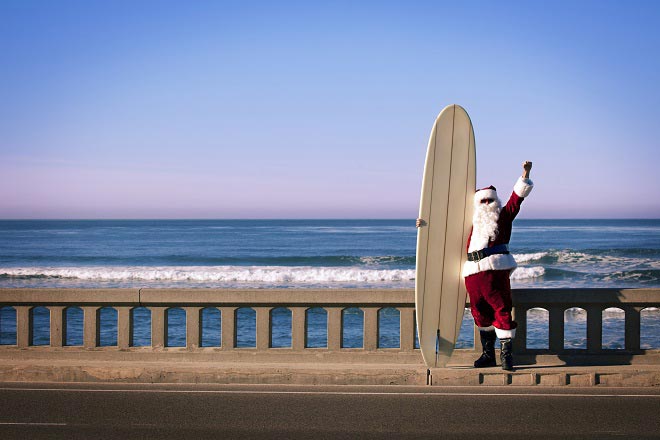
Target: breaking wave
250 274
523 273
526 258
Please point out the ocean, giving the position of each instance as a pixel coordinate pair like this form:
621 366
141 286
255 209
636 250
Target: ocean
310 254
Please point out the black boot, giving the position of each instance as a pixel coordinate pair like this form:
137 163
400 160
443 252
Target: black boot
487 358
506 354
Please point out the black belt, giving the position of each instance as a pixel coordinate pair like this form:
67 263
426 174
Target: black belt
487 252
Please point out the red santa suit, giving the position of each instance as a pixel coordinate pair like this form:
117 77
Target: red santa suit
487 280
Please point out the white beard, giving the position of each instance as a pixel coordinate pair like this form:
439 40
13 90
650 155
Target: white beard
484 224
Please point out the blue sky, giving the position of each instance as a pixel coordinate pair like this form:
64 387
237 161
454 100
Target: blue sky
322 109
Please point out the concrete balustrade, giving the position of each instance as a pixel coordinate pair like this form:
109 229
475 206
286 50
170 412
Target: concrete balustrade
298 302
594 302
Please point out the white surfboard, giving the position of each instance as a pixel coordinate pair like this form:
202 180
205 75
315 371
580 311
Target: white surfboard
446 207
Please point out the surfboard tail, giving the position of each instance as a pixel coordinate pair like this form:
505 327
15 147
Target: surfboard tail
444 353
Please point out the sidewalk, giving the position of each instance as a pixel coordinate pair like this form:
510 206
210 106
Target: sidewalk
551 375
40 370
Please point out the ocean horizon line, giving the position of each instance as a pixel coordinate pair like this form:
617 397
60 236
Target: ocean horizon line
305 219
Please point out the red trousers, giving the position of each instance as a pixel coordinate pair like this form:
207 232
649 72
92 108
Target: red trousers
490 299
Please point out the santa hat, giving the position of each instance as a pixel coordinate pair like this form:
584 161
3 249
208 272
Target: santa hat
485 193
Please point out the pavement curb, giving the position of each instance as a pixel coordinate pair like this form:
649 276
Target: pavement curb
610 376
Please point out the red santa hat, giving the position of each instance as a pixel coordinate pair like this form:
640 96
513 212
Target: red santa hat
485 193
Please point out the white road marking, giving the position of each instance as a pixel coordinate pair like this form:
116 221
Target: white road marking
326 393
33 424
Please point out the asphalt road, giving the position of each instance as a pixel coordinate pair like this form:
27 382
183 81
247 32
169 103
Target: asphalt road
72 411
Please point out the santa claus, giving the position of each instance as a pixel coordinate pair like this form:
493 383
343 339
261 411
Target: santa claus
488 267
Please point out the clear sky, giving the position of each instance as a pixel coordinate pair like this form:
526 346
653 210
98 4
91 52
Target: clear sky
275 109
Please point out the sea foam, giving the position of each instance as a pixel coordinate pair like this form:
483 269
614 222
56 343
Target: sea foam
525 258
253 274
524 273
250 274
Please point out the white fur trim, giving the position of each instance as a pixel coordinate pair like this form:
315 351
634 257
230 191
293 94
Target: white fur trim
490 328
477 242
484 194
523 187
504 334
493 262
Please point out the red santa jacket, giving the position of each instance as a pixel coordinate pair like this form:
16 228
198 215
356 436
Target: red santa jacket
521 189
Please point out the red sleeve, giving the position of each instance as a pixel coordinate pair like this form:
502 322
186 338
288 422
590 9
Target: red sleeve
512 207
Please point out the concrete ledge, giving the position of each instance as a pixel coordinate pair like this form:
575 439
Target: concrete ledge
40 370
317 356
214 355
197 372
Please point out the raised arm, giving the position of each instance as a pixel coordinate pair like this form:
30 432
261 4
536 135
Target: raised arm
521 189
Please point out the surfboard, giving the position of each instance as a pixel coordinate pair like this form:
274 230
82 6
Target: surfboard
446 208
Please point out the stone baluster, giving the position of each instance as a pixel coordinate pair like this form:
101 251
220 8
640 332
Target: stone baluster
407 328
370 328
65 323
298 327
228 317
263 327
158 327
556 329
633 328
193 329
56 326
335 330
124 327
91 330
520 341
23 327
594 328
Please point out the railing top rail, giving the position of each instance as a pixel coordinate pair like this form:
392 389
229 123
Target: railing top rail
585 296
306 297
237 297
292 297
69 296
